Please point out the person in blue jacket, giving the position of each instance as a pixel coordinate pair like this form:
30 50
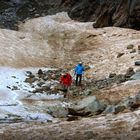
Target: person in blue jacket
79 71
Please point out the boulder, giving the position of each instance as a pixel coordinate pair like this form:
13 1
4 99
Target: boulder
136 76
87 106
58 111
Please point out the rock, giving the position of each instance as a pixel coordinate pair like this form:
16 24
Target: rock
40 72
129 72
40 84
137 63
120 78
109 109
58 111
112 75
72 118
131 46
120 54
46 88
87 67
29 74
86 106
136 76
89 134
87 92
30 80
135 105
15 88
119 108
133 51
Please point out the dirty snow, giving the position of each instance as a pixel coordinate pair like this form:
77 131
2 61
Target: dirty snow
11 99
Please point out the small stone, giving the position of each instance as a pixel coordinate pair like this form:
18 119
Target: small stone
131 46
120 54
119 108
133 51
40 84
15 88
30 80
112 75
137 63
40 72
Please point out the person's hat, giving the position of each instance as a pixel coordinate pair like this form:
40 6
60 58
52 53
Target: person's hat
80 62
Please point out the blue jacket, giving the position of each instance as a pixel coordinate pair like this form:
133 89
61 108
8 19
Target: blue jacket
79 69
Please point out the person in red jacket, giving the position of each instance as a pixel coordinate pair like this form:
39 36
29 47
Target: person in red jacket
66 81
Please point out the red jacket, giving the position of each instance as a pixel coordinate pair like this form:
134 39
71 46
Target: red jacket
66 79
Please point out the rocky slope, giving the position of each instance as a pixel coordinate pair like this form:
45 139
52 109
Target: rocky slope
32 99
57 41
122 13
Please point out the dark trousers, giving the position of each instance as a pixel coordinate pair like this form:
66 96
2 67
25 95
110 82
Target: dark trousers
78 79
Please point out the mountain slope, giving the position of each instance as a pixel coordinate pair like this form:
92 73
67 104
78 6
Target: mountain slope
121 13
58 41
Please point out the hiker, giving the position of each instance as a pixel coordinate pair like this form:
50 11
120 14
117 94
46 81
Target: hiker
66 81
79 71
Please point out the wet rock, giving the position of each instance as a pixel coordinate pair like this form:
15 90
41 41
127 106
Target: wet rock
89 105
